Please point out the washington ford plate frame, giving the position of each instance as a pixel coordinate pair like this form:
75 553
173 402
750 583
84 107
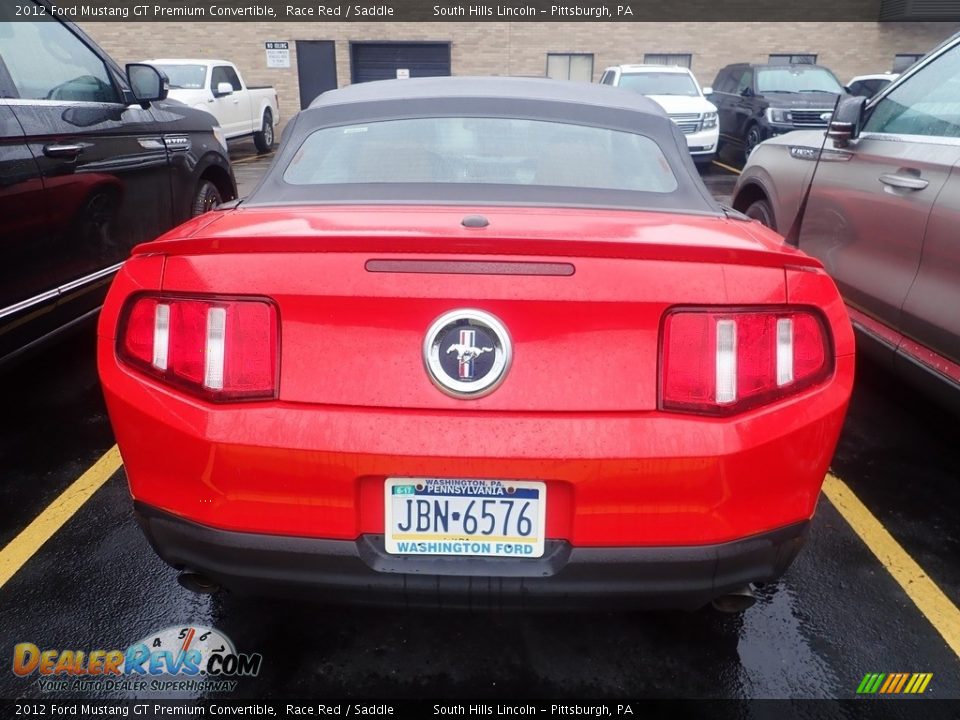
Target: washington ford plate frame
464 516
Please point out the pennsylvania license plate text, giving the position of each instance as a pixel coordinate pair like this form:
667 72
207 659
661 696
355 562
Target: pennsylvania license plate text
438 516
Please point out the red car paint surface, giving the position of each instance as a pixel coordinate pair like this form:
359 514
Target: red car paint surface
455 301
578 410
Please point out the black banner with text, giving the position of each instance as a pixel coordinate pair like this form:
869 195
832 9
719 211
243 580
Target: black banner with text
421 709
481 10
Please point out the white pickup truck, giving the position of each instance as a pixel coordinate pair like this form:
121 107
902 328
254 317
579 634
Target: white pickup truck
216 86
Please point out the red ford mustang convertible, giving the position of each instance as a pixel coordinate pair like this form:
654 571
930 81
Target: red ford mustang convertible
477 341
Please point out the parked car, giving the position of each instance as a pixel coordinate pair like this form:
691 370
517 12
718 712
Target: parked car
677 91
869 85
756 102
486 338
216 86
91 164
882 216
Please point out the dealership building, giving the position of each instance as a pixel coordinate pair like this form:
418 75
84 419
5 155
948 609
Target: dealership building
302 59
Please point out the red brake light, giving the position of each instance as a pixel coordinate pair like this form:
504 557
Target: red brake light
219 349
719 362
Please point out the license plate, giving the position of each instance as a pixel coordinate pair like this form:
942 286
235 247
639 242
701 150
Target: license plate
440 516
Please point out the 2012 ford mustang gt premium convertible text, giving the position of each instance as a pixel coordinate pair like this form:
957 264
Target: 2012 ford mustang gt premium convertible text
477 341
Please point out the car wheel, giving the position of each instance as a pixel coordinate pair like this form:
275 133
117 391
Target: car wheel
761 210
206 199
264 139
753 138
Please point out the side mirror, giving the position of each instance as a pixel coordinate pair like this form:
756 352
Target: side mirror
847 121
223 89
147 83
746 92
708 90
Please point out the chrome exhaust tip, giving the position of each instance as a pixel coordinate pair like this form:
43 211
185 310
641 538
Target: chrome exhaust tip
194 582
736 601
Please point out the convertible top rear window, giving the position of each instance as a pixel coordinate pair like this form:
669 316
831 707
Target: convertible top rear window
522 142
504 151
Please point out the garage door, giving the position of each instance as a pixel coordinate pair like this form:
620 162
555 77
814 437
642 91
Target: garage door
381 60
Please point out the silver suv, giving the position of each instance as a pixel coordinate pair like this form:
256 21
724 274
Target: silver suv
883 214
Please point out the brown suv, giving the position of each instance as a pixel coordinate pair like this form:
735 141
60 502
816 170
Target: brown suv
883 215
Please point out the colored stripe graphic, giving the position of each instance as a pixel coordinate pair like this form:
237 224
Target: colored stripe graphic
903 680
894 683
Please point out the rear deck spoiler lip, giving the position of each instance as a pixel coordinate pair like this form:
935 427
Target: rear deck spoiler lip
311 229
386 246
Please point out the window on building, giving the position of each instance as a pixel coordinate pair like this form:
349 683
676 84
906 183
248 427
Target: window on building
570 66
792 59
901 61
681 59
929 10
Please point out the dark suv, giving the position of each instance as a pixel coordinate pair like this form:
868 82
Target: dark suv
756 102
93 161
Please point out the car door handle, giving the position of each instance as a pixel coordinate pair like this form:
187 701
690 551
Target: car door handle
904 182
70 152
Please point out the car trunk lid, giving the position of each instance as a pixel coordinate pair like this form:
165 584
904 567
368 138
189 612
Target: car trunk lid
580 295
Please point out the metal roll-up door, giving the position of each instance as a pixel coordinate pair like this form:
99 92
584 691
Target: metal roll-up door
389 60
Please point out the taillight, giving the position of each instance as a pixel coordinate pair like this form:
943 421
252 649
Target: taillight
216 348
720 362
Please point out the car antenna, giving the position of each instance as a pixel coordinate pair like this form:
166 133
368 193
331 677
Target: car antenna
793 234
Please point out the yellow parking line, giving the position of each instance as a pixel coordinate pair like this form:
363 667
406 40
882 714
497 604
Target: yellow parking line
251 159
46 524
926 595
726 167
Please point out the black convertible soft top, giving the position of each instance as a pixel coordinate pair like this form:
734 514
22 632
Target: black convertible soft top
540 99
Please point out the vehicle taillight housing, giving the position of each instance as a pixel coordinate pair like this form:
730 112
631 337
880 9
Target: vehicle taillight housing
220 349
724 361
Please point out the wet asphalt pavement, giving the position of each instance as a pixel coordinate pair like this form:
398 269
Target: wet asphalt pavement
837 614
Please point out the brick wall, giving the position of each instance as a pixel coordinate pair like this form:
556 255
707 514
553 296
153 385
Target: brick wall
494 48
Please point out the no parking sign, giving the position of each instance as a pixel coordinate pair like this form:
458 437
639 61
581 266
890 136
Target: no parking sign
278 54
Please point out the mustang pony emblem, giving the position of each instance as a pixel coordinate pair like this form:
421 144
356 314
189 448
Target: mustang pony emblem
467 353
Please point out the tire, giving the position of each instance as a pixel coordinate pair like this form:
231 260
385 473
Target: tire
761 210
264 139
753 138
206 198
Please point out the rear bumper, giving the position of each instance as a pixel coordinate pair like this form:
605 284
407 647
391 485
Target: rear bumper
613 479
360 572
